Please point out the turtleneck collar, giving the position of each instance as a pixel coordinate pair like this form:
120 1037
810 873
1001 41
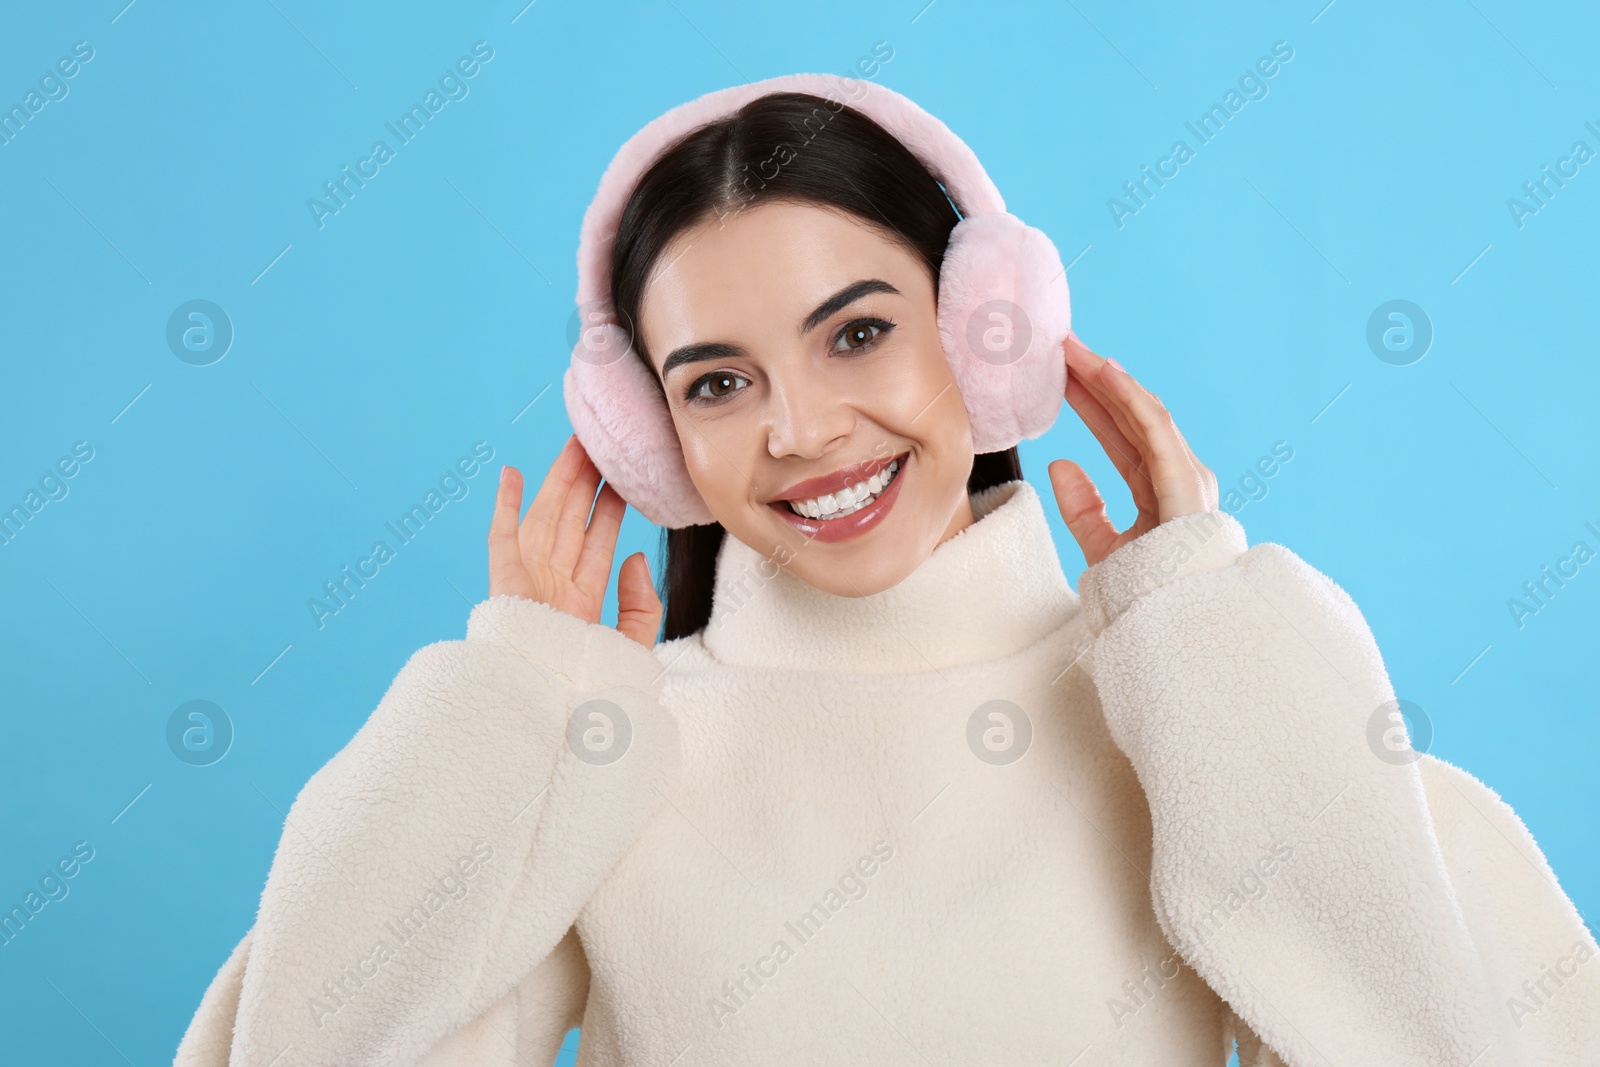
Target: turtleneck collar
993 589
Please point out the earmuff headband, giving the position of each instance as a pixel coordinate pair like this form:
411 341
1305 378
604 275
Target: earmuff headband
999 280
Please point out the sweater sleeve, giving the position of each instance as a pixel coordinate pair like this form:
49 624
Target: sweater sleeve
420 905
1352 901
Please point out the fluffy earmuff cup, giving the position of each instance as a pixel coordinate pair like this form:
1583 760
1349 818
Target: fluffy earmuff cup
622 420
1004 311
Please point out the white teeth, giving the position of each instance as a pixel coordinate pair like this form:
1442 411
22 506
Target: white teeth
846 501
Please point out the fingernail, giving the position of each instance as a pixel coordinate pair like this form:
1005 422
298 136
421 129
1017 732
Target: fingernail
1117 365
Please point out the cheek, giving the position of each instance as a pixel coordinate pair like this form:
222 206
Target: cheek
917 396
711 453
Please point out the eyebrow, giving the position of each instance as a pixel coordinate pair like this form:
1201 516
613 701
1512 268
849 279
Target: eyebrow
709 350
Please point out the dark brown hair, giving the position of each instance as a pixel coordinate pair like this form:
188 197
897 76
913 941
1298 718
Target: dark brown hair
792 147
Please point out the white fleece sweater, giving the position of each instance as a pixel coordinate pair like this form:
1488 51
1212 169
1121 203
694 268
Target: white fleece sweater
971 819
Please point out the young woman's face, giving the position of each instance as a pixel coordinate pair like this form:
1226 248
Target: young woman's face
799 350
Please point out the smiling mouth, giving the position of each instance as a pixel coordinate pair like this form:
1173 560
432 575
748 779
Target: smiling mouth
846 513
848 501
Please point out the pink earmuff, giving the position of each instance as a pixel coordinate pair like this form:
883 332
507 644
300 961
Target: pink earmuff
1003 305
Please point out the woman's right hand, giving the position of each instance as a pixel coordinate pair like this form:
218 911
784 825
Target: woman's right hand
560 556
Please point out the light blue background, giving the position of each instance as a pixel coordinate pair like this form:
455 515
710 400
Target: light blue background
434 308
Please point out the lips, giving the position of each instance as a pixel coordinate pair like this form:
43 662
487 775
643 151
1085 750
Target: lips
843 478
854 524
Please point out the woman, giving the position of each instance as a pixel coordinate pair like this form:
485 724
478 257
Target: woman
887 791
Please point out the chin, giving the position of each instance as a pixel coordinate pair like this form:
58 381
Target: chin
866 573
876 550
880 560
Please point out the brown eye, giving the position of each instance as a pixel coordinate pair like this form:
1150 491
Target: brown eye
714 386
861 334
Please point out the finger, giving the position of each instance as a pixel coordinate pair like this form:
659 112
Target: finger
572 527
1172 468
506 572
1122 453
1083 510
1092 372
1213 489
1208 478
537 533
1132 405
593 569
638 607
1185 489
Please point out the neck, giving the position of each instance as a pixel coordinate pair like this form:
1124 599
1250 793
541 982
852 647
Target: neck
960 520
993 587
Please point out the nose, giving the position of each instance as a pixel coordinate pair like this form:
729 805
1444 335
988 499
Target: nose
806 415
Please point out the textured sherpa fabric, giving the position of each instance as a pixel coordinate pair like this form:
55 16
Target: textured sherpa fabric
974 818
444 850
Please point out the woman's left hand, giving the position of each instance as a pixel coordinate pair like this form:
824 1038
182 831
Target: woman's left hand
1144 444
